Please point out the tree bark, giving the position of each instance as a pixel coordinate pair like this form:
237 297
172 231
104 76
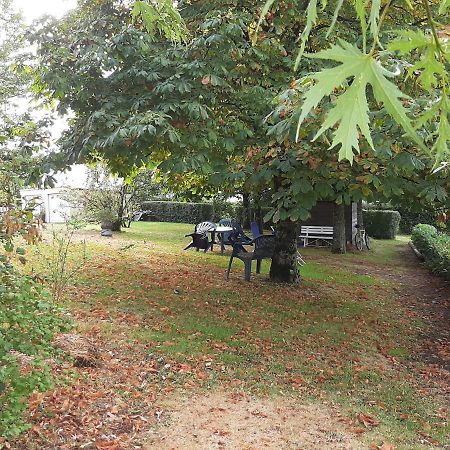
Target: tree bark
246 213
257 211
359 214
339 240
284 267
113 225
117 225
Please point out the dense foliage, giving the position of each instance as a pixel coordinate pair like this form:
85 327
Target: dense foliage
413 216
435 247
28 323
382 224
23 138
410 39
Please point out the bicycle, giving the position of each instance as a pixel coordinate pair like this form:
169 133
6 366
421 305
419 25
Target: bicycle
362 239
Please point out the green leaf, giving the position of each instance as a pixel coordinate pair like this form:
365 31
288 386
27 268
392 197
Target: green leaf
389 94
351 108
428 115
337 8
350 117
146 13
263 14
411 40
330 79
429 66
445 4
160 16
443 136
311 19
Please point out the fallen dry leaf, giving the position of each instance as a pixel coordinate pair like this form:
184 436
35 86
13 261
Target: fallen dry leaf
107 445
387 446
368 421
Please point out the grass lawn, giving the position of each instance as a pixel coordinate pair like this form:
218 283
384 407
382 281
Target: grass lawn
342 338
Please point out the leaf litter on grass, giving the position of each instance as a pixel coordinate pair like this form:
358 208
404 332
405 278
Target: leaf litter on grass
325 342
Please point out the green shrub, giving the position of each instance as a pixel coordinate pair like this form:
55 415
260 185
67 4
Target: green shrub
381 224
183 212
28 323
412 217
435 247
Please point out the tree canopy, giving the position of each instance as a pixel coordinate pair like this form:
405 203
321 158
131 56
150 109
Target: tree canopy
23 137
394 41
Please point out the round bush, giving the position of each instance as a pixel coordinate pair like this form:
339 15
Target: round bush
435 247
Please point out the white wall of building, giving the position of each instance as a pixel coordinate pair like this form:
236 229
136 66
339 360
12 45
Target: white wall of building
49 202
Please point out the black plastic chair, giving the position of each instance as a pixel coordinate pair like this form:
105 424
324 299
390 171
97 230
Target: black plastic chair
232 236
254 227
199 242
239 234
264 249
199 237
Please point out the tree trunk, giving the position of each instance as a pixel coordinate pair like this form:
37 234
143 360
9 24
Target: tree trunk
339 240
246 213
284 267
113 225
359 214
117 225
257 211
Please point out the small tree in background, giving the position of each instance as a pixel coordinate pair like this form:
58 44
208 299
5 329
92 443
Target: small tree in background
110 200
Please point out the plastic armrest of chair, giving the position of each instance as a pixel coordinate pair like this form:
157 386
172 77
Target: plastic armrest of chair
238 246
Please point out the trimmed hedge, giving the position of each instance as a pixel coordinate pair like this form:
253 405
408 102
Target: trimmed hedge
381 224
160 211
183 212
412 217
435 247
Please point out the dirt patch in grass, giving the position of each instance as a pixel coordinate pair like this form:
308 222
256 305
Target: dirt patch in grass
222 420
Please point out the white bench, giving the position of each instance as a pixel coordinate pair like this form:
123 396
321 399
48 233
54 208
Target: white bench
315 235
